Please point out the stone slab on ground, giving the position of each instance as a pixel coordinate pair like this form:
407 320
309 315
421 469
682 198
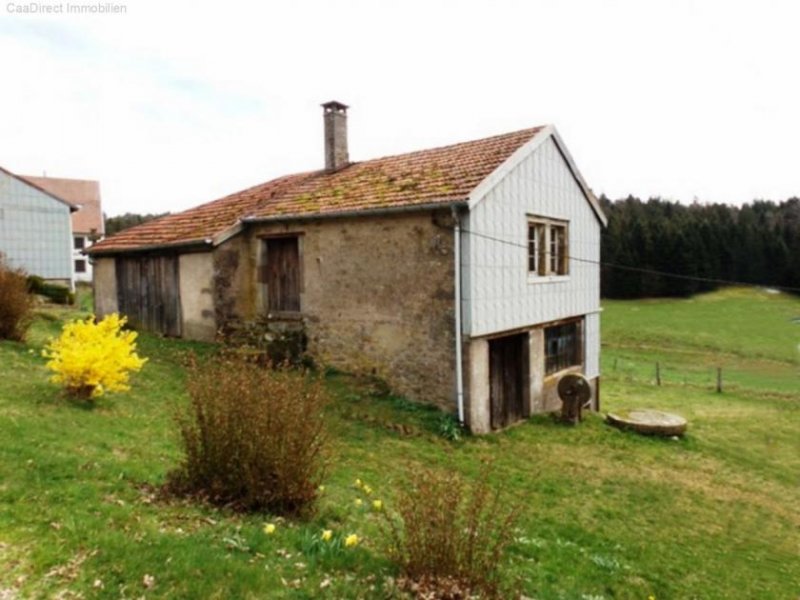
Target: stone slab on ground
649 422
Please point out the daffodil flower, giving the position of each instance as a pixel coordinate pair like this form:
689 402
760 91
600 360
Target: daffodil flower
327 534
351 540
358 502
367 490
269 528
377 505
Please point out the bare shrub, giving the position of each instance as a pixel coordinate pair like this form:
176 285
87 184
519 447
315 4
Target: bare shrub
253 437
15 302
449 538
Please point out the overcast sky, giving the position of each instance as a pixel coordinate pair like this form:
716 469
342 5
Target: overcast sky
171 104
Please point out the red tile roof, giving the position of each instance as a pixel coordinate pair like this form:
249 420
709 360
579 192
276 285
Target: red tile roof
83 193
439 175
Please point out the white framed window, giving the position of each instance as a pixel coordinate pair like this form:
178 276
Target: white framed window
548 246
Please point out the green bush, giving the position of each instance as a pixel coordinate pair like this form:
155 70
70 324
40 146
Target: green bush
57 294
15 303
449 538
253 437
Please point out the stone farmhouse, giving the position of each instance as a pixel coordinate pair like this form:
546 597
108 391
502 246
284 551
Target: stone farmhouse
466 276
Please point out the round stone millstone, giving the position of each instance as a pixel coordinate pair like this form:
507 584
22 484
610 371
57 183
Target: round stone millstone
649 422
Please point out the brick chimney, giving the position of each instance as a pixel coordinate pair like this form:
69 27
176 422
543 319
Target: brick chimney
335 117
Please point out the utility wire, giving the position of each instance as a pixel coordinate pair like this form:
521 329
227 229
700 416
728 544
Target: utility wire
641 269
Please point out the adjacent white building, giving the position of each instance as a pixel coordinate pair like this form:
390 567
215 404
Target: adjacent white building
88 225
35 229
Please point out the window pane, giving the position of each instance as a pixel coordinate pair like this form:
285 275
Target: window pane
80 266
562 251
78 243
562 347
532 249
540 233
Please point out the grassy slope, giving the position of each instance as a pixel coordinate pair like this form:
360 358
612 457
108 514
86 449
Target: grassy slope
603 513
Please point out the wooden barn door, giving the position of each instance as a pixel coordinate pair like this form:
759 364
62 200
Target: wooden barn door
508 358
148 293
283 274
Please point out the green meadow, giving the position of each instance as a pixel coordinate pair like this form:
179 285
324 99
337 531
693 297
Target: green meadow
602 513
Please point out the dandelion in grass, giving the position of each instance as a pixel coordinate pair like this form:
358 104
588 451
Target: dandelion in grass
269 528
327 535
377 505
351 540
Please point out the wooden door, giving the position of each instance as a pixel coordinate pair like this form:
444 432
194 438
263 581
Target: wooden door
148 293
507 379
283 274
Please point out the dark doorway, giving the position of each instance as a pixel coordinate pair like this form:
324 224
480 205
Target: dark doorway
148 293
283 274
508 376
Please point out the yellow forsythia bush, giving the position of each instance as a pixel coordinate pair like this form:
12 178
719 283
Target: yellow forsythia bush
90 359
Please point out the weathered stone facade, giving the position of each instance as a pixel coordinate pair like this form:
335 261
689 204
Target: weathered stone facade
376 295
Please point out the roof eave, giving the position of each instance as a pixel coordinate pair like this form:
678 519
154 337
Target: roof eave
96 252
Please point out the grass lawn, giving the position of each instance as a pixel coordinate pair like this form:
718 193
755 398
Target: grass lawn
604 514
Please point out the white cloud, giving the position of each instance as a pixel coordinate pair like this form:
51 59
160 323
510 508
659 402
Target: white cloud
173 104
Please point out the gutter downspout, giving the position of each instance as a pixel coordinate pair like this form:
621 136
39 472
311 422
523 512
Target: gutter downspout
459 366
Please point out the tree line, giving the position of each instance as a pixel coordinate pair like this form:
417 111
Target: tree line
757 243
121 222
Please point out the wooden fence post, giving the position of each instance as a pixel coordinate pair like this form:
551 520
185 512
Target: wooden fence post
658 373
719 380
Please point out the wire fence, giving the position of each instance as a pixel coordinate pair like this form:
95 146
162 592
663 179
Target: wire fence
722 374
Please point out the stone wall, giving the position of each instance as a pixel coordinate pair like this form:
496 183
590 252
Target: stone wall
105 286
376 296
197 303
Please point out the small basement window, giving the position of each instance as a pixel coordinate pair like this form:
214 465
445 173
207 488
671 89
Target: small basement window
548 247
80 266
563 347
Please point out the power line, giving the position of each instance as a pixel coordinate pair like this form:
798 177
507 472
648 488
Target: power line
641 269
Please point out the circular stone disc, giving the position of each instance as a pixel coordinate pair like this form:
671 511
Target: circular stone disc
650 422
574 386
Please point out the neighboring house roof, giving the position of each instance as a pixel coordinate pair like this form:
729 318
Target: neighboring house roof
53 195
83 193
439 176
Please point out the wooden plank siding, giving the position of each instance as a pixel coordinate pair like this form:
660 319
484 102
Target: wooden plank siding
282 274
148 292
508 376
